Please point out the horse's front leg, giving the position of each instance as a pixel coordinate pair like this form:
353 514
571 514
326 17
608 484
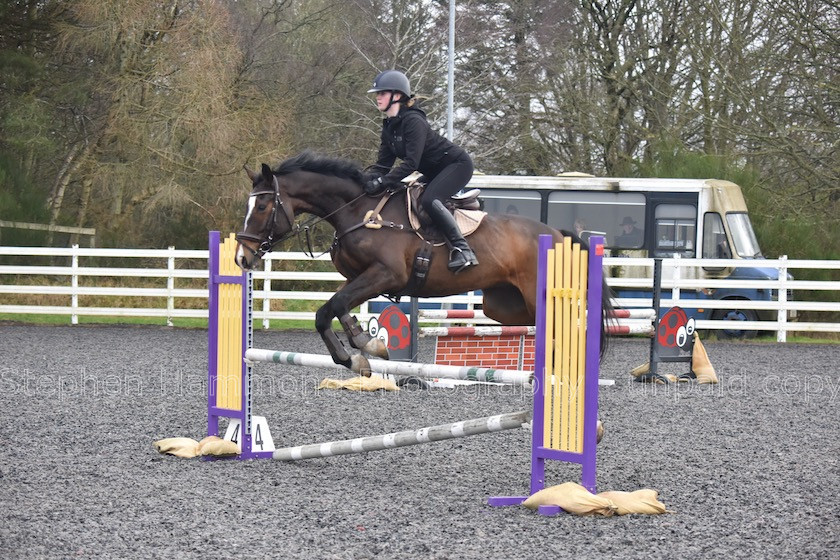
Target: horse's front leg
355 292
359 337
323 324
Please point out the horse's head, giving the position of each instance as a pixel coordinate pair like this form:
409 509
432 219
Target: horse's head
268 219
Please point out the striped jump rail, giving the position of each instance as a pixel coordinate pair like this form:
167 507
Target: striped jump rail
478 331
402 369
633 327
441 314
612 329
501 346
410 369
402 439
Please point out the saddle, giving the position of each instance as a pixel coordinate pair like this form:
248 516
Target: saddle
466 208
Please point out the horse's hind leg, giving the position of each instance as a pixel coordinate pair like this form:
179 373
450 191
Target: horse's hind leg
506 305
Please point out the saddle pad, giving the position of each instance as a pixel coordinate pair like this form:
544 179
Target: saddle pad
467 220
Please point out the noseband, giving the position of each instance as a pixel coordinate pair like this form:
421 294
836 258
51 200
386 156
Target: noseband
266 239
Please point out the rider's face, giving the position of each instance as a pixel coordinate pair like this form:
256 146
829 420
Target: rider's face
382 99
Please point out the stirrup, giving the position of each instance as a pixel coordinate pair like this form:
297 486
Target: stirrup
466 261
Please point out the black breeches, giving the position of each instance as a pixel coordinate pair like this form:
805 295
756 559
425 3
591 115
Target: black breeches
450 180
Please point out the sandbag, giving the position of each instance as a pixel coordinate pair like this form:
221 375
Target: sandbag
702 370
700 363
177 446
642 374
215 446
372 383
643 501
573 498
640 369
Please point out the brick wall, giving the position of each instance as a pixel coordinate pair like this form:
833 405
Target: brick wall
501 352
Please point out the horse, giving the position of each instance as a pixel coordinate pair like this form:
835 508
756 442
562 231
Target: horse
377 255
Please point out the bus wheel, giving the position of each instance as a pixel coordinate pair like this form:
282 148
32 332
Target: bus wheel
735 315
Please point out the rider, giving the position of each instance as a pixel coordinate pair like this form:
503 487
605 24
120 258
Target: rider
448 168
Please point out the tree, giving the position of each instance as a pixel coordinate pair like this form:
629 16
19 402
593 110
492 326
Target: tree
27 131
762 87
380 35
135 116
502 48
171 117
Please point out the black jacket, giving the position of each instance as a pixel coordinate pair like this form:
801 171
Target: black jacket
409 137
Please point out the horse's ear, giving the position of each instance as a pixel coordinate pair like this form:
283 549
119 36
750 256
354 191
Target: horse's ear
267 174
253 175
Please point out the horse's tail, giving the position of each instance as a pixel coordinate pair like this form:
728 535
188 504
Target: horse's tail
606 314
606 298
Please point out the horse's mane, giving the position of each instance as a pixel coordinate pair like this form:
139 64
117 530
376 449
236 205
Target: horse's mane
319 163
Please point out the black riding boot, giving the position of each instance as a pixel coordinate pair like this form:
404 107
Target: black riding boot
460 254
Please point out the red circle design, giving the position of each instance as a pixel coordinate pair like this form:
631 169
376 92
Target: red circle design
666 333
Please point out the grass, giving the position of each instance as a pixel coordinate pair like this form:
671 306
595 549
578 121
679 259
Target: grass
185 323
59 320
813 338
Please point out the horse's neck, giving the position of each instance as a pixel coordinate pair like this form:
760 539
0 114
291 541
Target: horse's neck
328 197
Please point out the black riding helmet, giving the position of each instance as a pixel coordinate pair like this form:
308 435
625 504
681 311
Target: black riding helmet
391 80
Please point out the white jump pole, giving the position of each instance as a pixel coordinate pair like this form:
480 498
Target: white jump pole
409 437
428 371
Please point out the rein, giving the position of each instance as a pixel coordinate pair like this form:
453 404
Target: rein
373 220
267 241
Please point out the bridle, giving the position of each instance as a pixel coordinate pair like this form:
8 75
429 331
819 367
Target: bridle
266 239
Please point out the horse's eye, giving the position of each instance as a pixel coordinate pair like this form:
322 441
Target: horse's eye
261 207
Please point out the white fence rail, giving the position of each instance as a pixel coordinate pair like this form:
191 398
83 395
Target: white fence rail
73 274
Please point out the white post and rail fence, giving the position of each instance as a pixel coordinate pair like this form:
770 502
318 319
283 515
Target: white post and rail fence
172 283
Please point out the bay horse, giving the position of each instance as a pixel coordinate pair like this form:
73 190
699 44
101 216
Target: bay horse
380 261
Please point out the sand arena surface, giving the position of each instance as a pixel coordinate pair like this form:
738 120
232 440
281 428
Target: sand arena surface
751 467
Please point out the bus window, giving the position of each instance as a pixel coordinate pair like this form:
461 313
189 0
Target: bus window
675 230
715 244
501 201
600 212
743 236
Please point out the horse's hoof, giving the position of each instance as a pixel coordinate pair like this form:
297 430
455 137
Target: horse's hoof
359 364
376 347
599 432
412 383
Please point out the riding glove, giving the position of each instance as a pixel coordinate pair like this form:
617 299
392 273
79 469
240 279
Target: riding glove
374 187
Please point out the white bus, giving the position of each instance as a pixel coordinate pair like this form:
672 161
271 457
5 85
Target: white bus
695 218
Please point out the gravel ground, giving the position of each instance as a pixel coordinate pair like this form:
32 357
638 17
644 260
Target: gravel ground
750 467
